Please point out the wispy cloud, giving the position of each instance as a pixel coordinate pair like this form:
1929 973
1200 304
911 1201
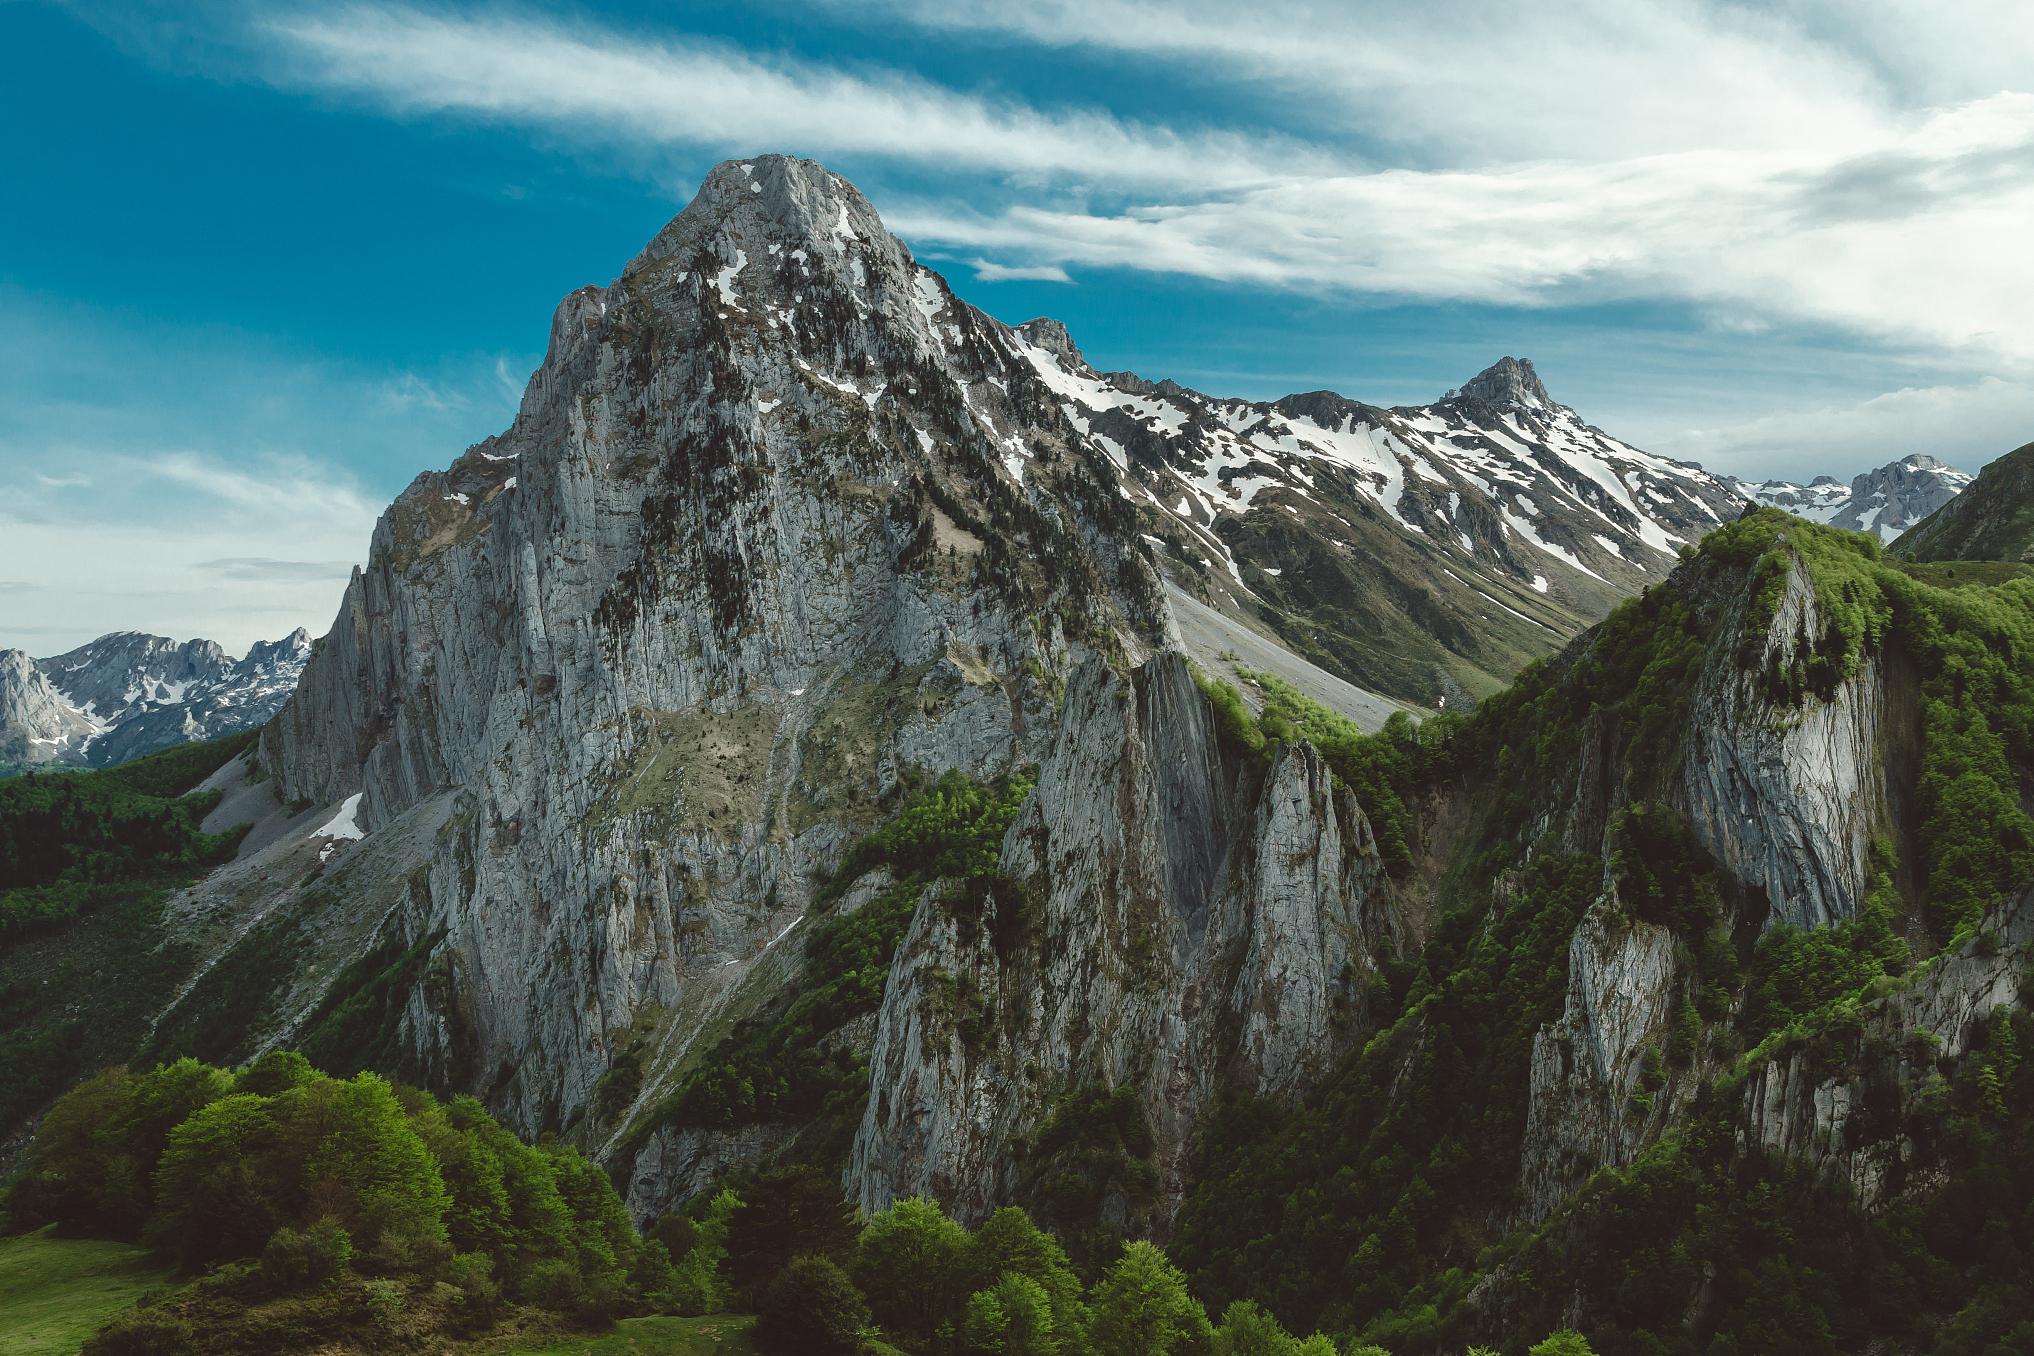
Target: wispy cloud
199 482
1810 165
617 86
267 568
987 270
1472 83
1753 236
410 391
286 486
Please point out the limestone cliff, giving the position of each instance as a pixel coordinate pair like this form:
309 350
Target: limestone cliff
778 524
1188 914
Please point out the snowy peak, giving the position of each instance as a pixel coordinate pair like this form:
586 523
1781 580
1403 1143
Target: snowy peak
1886 501
1422 530
1051 335
129 693
1506 383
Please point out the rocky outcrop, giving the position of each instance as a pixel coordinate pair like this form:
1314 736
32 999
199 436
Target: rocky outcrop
1848 1110
1788 797
1179 915
37 726
1505 383
1590 1104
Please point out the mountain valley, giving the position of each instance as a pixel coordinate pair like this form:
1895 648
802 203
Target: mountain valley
1445 874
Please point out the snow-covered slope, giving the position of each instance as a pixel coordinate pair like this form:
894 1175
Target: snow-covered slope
1419 551
127 693
1887 501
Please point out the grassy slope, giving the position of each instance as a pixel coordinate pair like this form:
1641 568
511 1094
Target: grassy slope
59 1290
77 995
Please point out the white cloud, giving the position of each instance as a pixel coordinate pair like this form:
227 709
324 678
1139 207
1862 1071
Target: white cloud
1913 239
625 87
1814 165
989 271
165 543
1474 82
1469 83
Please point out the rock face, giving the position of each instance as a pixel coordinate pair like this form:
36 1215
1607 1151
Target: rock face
1847 1116
1786 793
782 529
1187 915
1886 501
780 524
1788 799
1505 384
1588 1107
36 724
127 694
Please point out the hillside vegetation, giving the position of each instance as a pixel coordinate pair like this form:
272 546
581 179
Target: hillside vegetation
314 1213
86 861
1382 1202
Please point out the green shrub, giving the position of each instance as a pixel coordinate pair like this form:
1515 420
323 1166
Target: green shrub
480 1300
811 1309
383 1301
296 1259
555 1284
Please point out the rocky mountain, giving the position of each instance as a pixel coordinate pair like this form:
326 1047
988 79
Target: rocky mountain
126 694
1886 501
1426 553
782 744
1992 520
782 533
36 724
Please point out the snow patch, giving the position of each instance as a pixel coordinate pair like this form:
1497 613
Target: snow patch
345 824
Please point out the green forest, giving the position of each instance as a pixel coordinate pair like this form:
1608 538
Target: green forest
299 1209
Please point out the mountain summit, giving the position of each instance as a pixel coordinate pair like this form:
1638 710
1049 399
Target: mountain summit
1505 383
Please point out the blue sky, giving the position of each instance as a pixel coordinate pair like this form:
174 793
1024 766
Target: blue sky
259 265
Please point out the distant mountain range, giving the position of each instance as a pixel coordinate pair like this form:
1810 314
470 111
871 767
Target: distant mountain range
1887 501
126 694
1425 552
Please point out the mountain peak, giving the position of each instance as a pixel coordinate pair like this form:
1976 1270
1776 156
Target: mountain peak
777 197
1051 335
1508 381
